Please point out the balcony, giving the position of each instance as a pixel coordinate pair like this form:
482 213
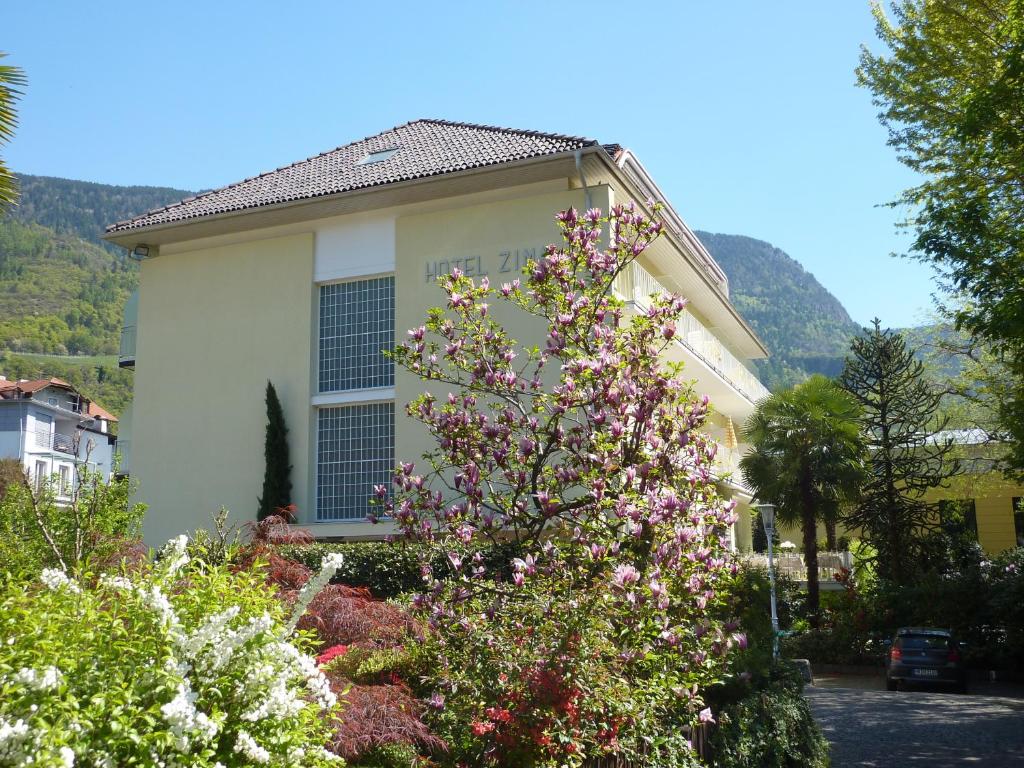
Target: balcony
636 285
55 441
126 353
791 565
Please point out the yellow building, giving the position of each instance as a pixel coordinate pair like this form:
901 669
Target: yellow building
302 275
989 502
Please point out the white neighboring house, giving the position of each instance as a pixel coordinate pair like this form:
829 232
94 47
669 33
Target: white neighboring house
50 428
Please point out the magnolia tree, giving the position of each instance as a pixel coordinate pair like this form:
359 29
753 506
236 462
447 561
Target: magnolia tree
585 456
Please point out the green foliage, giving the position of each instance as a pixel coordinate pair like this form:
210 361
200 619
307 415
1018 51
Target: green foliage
978 598
58 293
38 529
804 326
12 472
99 379
62 289
390 756
771 727
749 605
806 459
390 570
950 87
10 80
277 480
158 666
897 407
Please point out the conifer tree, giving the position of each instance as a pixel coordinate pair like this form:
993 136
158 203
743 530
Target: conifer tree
907 454
277 483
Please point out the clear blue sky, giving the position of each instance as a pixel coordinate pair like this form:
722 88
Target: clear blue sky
745 112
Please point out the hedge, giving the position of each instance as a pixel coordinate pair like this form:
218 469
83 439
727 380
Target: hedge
388 569
770 727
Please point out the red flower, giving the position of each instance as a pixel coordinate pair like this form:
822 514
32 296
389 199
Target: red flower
480 728
331 653
498 715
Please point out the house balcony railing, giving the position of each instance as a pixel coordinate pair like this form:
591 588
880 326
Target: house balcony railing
126 353
792 565
727 462
56 441
635 284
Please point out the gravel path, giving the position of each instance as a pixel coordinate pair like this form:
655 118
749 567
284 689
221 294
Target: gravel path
919 728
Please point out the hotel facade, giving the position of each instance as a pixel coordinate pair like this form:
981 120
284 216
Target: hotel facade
303 275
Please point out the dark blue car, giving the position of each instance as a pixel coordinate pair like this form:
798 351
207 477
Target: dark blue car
925 655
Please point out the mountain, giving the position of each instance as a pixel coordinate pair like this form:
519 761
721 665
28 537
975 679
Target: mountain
84 209
62 289
806 328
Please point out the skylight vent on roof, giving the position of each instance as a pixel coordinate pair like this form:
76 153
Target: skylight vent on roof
378 157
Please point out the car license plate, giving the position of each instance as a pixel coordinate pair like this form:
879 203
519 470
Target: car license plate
926 673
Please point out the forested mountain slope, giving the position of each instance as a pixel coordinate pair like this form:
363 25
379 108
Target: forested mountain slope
83 208
62 289
806 328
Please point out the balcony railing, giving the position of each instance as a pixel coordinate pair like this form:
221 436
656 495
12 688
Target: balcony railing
56 441
792 564
637 285
727 462
126 354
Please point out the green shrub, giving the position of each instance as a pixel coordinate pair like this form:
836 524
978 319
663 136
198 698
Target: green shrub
770 727
387 569
167 665
38 530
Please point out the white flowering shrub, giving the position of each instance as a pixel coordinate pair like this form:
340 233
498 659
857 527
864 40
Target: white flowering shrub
170 666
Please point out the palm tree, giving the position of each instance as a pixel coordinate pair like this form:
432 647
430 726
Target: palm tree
10 79
806 458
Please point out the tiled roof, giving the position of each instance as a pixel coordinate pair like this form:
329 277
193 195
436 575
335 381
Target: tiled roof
423 148
99 413
30 386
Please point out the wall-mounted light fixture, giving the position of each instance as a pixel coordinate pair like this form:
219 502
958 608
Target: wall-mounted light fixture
139 252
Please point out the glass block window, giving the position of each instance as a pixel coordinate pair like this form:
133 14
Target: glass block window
355 451
357 323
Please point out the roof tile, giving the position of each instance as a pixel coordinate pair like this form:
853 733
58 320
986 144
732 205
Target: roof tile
425 148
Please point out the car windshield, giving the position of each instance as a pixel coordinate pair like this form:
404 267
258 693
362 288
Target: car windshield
924 642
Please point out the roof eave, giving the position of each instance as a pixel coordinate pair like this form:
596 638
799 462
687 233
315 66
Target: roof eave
129 238
691 241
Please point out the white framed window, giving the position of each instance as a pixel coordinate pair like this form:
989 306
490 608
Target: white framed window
355 451
357 325
65 479
40 474
354 396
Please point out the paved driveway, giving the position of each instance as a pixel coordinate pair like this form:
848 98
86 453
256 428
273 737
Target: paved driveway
919 728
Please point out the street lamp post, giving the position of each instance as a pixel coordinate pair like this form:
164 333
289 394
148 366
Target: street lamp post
768 519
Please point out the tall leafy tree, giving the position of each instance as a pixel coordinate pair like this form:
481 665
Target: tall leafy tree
277 480
806 458
951 89
11 78
907 454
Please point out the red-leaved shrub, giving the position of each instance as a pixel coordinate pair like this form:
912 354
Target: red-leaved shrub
375 715
346 615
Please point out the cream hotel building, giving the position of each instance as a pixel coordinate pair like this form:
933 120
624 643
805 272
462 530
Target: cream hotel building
301 276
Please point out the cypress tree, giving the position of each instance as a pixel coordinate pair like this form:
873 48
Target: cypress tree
277 483
907 455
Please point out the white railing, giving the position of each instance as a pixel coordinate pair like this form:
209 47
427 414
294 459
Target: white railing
727 462
792 565
637 285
